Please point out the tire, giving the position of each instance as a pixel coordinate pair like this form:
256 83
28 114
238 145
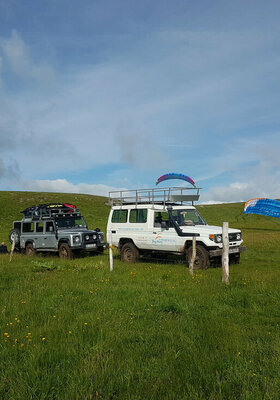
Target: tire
129 253
65 251
14 233
202 257
100 250
234 258
29 250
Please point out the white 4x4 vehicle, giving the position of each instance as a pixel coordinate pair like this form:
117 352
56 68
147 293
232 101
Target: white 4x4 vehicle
157 221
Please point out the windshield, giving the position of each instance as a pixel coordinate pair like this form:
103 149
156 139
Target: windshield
70 222
188 217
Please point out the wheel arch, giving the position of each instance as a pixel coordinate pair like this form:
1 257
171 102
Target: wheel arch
123 241
29 241
188 244
64 241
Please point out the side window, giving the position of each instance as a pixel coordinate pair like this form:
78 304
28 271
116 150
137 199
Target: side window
28 227
119 216
40 227
138 216
49 226
161 217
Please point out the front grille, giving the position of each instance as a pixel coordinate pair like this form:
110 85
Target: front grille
88 238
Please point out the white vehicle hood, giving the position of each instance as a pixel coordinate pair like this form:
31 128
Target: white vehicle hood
207 229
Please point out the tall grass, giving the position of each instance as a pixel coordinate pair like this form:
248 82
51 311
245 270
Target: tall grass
70 329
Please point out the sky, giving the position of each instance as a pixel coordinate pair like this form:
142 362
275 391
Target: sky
100 95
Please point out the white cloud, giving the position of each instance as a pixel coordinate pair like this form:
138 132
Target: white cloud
64 186
197 91
16 54
259 181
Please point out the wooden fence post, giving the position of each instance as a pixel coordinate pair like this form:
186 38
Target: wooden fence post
111 257
193 255
12 249
225 255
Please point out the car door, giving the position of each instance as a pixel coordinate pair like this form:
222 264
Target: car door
164 237
138 227
39 235
117 226
50 241
27 233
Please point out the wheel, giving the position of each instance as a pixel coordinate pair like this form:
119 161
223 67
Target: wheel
202 257
234 258
65 251
29 250
129 253
100 250
14 235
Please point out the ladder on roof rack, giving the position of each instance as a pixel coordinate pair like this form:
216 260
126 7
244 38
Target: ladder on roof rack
154 196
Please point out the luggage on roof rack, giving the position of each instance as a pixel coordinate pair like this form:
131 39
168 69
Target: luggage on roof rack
49 210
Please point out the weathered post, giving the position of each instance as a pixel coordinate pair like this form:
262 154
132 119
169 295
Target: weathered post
225 255
193 255
111 257
12 249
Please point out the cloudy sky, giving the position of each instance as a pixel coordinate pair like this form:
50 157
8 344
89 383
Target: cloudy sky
96 95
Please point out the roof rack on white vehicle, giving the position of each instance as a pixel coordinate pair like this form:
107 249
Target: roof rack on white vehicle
154 196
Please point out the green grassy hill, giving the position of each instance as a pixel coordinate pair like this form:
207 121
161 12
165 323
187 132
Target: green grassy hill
12 203
96 212
70 329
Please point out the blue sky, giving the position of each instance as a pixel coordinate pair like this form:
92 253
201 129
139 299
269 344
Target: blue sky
100 95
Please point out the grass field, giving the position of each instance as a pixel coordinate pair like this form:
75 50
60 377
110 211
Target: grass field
70 329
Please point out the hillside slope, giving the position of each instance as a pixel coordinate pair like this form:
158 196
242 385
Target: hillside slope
12 203
96 212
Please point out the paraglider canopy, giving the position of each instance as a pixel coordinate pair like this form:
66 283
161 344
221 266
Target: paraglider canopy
268 207
175 176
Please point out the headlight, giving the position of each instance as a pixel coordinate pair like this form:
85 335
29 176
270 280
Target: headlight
87 237
76 239
94 237
238 236
218 238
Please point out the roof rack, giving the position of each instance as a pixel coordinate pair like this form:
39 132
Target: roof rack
163 196
50 210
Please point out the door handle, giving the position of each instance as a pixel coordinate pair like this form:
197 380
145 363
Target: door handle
113 231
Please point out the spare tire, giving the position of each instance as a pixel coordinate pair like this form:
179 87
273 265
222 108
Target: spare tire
14 234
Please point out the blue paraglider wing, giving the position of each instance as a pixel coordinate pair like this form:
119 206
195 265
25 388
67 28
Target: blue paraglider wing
268 207
175 176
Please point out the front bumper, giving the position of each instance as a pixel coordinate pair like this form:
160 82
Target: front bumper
232 250
93 246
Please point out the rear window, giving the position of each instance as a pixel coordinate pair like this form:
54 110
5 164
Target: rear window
40 227
138 216
119 216
27 227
